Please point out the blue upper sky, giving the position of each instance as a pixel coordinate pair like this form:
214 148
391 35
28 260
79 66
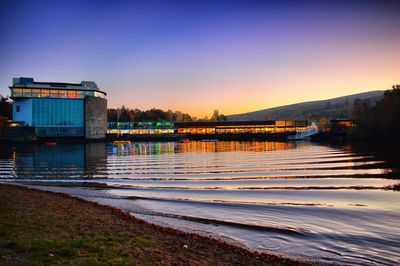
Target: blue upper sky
197 56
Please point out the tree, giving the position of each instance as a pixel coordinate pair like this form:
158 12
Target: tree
187 118
389 113
323 123
5 107
178 116
378 121
112 115
169 115
222 118
5 111
215 115
124 114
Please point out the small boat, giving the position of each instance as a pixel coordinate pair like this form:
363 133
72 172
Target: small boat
305 134
209 140
50 143
121 142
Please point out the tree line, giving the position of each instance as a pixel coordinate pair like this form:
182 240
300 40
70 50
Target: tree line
380 120
124 114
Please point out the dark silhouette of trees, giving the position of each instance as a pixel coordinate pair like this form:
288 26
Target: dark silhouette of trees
323 124
388 113
5 107
218 117
380 120
5 111
215 116
124 114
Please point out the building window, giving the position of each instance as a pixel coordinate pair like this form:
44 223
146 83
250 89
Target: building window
89 93
72 95
27 93
17 92
57 113
53 93
44 93
62 94
35 93
17 108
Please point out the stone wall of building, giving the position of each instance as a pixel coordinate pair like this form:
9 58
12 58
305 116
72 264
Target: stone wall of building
95 117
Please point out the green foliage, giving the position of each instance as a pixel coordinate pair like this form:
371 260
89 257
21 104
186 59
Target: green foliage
380 121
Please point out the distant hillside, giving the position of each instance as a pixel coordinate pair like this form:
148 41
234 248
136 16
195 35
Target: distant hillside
331 109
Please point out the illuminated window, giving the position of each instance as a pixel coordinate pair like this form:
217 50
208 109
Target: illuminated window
99 94
62 93
26 92
17 92
35 93
80 94
53 93
72 94
44 93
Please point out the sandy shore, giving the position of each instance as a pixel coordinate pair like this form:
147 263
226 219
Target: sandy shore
38 227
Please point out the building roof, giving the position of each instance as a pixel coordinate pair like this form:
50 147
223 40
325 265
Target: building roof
233 123
23 82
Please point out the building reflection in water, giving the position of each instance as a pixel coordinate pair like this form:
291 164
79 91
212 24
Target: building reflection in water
69 161
95 160
147 148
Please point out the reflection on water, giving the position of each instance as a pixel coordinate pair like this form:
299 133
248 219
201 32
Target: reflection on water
64 161
297 198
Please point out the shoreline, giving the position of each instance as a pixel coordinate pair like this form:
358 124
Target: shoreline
168 246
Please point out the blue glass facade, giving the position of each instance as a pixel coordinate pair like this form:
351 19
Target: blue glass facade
56 109
58 117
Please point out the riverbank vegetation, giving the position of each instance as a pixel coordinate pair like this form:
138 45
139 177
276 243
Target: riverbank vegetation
379 120
43 228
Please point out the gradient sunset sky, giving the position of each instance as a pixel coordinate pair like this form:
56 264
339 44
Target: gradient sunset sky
197 56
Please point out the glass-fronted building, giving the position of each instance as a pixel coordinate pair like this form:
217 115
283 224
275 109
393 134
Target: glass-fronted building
60 109
216 128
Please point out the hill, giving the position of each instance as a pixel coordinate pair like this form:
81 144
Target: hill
332 108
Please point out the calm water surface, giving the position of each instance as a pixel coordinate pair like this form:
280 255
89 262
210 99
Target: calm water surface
334 204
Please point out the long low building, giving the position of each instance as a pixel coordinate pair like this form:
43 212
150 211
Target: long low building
239 127
52 109
199 129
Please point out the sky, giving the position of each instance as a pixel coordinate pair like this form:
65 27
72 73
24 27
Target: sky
197 56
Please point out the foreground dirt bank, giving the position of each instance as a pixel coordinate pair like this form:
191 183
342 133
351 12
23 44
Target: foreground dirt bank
38 227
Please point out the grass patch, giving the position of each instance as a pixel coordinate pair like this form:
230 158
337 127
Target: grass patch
41 228
141 242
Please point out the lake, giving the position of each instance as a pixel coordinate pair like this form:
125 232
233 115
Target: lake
332 203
